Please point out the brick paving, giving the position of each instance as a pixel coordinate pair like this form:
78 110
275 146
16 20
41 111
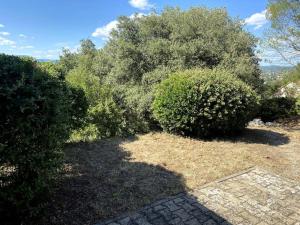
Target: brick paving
251 197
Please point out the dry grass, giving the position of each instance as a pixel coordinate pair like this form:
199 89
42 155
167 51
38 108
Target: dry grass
114 176
201 162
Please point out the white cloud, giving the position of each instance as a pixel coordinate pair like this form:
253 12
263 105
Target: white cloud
4 33
104 31
7 42
257 19
140 4
1 25
22 36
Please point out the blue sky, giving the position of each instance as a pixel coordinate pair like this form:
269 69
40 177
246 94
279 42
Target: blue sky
41 28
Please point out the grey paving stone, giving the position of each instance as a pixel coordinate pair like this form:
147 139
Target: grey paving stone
176 221
252 197
177 200
142 221
150 214
171 205
125 221
158 207
192 222
159 221
167 214
181 213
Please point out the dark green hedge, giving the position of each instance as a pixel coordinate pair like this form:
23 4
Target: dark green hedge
204 102
37 113
277 108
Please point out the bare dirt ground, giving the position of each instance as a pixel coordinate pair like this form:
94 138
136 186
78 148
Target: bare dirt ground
105 178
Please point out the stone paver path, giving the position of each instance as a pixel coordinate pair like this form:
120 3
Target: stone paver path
251 197
291 152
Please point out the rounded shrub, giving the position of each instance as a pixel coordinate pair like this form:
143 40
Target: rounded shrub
204 102
37 114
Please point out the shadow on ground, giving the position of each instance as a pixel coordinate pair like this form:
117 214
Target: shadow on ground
182 208
261 136
102 181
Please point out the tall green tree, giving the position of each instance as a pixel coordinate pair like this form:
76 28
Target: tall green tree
177 39
143 50
120 79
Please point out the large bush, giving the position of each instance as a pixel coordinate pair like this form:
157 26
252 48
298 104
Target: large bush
142 50
180 39
277 108
37 113
204 102
104 116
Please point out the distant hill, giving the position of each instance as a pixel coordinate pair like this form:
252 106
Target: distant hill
47 60
275 69
274 72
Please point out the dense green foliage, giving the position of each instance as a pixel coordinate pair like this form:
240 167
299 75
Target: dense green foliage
53 69
298 106
179 39
120 79
145 49
277 108
204 102
105 115
37 112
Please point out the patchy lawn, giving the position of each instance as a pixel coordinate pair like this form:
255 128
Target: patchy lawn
105 178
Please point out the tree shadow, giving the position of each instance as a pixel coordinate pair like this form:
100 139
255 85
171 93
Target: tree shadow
101 180
263 136
182 208
258 136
